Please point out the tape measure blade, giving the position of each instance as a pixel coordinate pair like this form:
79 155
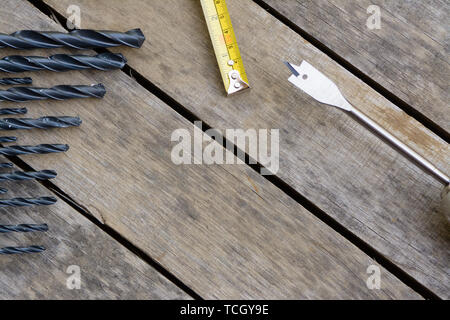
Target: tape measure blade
224 42
215 32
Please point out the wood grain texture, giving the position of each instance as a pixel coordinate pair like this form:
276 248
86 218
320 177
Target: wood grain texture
108 270
409 55
224 231
324 154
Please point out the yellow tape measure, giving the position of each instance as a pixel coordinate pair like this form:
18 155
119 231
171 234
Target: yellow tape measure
225 45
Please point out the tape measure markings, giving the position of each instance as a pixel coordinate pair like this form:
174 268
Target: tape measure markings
225 45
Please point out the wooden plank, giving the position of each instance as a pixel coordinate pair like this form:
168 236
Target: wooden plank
107 269
324 154
408 55
224 230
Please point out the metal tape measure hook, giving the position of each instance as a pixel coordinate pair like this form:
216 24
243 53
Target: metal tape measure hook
236 82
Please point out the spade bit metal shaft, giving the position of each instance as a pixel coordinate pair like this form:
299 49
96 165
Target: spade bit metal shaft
317 85
76 39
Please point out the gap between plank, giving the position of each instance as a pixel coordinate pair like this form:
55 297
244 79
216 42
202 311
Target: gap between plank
403 105
275 180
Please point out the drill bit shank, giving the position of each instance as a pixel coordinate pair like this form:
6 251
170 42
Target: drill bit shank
76 39
39 149
27 202
40 123
63 92
62 62
21 176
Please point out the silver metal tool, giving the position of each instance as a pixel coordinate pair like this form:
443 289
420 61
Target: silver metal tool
317 85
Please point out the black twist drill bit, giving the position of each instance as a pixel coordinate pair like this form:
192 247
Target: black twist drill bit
21 175
77 39
7 139
17 250
22 94
24 228
6 165
63 62
3 190
27 202
39 149
40 123
8 111
13 81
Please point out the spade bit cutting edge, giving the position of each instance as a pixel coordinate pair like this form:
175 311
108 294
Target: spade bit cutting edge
317 85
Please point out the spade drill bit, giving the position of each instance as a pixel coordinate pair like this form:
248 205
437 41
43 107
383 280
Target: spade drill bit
27 202
22 94
77 39
17 250
8 139
8 111
40 123
24 228
320 87
39 149
12 81
63 62
21 176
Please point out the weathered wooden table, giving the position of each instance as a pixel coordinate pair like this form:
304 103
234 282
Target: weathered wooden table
139 226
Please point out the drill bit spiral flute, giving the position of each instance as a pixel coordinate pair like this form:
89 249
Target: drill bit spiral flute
29 39
23 228
76 39
14 81
62 62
